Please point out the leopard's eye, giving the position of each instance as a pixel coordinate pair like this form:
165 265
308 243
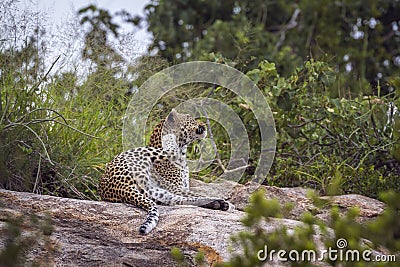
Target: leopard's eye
200 130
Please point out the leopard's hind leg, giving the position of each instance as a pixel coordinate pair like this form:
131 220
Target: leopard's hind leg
183 197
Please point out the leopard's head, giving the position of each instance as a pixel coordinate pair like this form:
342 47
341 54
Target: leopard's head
185 127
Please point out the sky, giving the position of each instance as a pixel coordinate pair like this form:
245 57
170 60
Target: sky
59 12
59 9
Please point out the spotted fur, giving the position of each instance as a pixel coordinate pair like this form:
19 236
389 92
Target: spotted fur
157 174
171 175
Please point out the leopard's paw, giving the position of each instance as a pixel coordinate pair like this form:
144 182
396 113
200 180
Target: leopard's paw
220 204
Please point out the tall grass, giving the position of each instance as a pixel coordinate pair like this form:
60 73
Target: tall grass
57 127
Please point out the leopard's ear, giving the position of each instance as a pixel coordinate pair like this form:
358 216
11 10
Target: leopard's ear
173 111
172 117
170 122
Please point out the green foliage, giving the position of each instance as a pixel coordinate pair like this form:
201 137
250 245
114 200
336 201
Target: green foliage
178 256
358 37
19 242
59 128
385 230
199 259
58 134
260 207
21 114
325 142
382 232
96 47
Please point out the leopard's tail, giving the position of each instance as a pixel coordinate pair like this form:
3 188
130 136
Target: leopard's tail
144 202
151 220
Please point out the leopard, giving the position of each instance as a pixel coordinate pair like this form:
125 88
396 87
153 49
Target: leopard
171 175
157 174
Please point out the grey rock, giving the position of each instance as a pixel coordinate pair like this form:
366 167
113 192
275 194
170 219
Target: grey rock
92 233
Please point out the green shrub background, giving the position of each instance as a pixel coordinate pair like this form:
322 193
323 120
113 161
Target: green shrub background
59 127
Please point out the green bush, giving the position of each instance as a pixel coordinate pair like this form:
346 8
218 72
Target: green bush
57 138
336 145
24 234
345 144
57 128
382 233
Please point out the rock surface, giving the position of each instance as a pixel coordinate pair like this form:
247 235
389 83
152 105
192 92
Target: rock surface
90 233
239 194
